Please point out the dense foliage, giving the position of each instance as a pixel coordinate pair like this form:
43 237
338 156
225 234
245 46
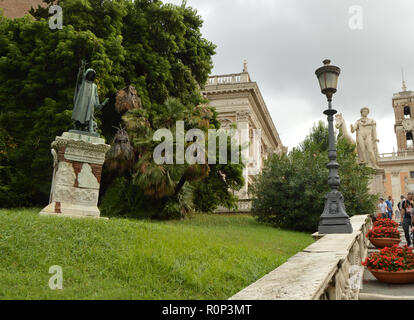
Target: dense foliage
170 190
157 48
290 191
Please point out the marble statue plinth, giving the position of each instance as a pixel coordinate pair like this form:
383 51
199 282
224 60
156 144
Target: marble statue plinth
78 161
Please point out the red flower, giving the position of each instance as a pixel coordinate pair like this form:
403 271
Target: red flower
383 232
391 259
385 223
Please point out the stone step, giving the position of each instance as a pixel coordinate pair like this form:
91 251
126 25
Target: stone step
372 289
374 296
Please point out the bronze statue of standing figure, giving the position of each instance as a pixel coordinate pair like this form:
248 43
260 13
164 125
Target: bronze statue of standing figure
86 101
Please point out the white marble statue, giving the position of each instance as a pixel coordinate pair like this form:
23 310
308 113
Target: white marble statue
341 126
366 138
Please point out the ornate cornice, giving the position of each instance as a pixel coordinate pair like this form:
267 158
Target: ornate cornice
80 150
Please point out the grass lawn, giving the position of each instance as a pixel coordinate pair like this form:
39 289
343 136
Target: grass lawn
206 257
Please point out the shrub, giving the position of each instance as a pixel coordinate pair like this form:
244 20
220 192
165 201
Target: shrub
290 191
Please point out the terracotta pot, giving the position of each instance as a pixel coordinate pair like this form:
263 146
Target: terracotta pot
406 276
384 242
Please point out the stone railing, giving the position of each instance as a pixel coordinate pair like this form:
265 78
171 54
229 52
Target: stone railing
328 269
408 155
243 205
228 78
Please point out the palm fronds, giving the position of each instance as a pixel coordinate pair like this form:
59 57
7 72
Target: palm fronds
121 156
127 99
154 179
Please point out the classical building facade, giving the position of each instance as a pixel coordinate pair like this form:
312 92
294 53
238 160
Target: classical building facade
18 8
399 166
239 103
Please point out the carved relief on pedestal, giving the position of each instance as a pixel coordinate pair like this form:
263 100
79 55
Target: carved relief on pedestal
74 195
86 179
65 175
90 155
76 149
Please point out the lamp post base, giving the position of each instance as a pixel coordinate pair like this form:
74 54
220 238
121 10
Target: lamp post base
334 218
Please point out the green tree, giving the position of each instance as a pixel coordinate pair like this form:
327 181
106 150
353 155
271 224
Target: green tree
157 48
290 191
37 71
173 190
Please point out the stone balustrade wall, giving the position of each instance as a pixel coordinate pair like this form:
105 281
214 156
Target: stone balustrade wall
228 78
328 269
400 155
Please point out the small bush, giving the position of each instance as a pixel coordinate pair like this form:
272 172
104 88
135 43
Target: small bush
290 191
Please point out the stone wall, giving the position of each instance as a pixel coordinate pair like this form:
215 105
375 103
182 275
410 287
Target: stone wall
244 206
328 269
18 8
397 166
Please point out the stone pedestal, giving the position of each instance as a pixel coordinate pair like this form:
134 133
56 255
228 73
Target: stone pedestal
376 185
78 160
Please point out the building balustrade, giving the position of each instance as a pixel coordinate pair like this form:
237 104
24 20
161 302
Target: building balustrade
400 155
228 78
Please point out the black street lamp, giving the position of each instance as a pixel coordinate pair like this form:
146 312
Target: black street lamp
334 218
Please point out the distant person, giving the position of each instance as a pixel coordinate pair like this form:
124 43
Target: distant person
390 205
407 214
392 200
402 198
382 206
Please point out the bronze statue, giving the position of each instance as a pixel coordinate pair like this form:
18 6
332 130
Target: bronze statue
86 100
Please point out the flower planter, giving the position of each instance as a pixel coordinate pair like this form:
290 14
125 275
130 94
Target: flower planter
384 242
387 223
401 277
392 264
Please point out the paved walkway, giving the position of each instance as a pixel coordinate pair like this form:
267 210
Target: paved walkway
372 289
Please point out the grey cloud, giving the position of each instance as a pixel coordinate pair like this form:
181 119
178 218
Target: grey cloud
284 41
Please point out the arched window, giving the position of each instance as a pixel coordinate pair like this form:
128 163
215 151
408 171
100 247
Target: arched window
409 140
407 112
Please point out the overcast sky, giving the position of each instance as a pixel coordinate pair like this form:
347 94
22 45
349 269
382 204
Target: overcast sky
285 41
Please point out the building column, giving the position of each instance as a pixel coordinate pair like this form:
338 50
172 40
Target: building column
242 119
395 186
